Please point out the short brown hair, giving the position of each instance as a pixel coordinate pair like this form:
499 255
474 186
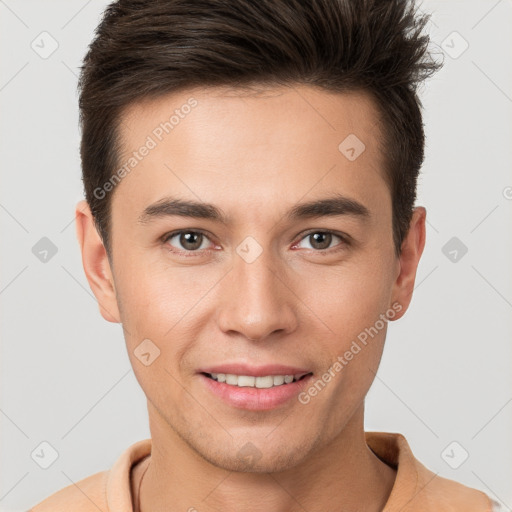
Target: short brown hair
144 49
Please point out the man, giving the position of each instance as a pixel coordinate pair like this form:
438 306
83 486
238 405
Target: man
250 176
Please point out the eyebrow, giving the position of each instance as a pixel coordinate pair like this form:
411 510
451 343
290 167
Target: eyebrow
327 207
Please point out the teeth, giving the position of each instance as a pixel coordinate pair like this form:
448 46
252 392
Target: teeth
278 380
231 379
246 380
267 381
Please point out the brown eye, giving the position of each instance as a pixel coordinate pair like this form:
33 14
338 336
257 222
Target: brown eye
187 240
322 241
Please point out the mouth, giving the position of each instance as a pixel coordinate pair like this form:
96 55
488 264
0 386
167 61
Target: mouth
255 388
259 382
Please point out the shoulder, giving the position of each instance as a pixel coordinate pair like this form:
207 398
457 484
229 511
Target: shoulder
451 495
417 488
108 489
87 495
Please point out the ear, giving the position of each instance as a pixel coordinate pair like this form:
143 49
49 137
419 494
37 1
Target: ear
412 249
96 264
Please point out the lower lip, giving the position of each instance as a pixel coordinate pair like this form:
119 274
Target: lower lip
255 399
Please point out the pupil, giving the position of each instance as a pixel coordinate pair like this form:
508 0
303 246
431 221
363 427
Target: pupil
324 239
191 239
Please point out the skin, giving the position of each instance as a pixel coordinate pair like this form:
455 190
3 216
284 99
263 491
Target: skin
255 154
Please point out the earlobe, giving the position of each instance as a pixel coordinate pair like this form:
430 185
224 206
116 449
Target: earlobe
412 249
95 262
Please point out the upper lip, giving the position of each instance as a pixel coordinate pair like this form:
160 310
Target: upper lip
255 371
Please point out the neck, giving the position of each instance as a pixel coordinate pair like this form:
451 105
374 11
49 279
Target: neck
342 475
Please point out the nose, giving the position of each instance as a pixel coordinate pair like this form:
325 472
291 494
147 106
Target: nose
256 299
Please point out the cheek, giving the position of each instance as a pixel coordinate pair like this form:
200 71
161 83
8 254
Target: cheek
350 298
155 296
153 316
349 302
165 305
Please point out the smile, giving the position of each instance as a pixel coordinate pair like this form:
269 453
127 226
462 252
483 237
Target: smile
249 381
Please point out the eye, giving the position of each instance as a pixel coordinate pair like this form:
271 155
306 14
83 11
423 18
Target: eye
189 241
321 240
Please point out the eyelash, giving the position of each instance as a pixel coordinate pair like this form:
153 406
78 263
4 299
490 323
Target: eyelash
345 241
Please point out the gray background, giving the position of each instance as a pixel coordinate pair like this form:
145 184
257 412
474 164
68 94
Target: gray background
445 374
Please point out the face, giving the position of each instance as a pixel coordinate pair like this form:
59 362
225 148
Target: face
248 249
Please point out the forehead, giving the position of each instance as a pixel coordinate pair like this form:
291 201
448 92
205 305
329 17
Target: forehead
299 109
257 144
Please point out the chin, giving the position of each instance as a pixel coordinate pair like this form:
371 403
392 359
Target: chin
251 459
267 463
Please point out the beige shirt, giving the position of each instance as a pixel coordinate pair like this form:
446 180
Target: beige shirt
416 488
